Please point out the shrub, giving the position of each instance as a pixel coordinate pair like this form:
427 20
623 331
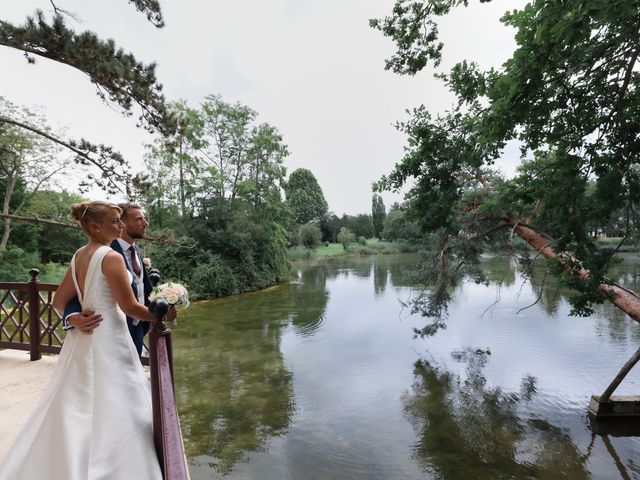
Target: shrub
345 237
310 235
300 253
15 264
213 278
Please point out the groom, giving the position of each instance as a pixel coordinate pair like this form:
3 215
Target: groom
134 228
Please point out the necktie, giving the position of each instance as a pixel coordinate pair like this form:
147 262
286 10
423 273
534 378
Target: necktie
134 261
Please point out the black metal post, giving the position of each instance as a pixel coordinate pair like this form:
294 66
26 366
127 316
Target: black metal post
34 316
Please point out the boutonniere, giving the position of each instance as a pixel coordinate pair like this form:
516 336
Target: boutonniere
146 261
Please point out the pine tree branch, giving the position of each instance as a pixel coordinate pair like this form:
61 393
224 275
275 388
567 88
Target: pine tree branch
119 74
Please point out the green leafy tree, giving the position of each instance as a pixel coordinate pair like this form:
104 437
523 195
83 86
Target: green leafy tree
330 227
397 225
175 162
228 135
55 243
305 197
361 224
310 235
570 95
346 237
378 215
266 166
24 158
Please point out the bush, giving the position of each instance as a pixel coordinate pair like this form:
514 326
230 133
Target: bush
52 272
300 253
362 241
345 237
15 264
213 278
310 235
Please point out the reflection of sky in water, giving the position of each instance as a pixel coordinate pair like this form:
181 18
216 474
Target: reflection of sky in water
351 353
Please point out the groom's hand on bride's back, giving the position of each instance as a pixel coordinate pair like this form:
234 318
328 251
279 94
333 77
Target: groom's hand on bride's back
85 321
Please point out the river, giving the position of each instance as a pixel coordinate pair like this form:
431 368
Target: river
324 378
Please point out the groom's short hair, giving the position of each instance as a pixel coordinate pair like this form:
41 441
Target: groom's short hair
126 207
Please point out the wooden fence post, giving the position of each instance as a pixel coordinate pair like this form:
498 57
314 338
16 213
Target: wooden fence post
34 316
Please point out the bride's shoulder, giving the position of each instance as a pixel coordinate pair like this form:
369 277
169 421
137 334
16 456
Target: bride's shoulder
113 257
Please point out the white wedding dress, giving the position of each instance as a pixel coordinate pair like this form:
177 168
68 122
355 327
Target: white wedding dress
94 420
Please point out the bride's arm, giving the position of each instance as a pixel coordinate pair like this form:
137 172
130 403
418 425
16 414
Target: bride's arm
64 293
118 279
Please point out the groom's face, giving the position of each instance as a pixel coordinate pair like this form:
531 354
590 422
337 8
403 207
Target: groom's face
135 225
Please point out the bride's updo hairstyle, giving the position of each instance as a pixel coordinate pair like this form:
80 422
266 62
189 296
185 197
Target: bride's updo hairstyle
92 211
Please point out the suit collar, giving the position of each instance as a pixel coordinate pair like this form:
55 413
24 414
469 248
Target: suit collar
124 245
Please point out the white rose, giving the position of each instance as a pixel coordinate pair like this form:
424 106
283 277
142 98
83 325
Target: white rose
172 298
146 261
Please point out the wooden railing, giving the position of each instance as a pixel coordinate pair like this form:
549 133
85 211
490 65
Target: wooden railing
27 319
29 322
166 424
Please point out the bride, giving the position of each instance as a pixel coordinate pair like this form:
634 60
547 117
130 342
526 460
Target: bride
94 420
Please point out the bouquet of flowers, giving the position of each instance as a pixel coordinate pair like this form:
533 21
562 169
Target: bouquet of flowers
173 293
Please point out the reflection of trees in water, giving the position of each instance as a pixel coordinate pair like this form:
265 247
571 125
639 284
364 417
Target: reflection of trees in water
402 274
309 299
380 275
500 270
549 295
233 389
469 430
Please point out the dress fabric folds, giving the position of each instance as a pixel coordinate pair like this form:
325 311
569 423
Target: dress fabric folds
94 420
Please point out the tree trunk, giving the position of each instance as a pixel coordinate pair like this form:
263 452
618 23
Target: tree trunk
6 222
625 300
6 230
183 202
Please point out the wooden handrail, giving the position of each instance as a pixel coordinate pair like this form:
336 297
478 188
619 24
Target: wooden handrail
166 424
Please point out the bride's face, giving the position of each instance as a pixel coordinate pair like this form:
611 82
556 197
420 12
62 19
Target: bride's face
109 228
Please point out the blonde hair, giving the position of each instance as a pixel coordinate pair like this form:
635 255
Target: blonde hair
92 211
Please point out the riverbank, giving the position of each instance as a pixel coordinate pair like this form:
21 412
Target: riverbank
372 246
21 385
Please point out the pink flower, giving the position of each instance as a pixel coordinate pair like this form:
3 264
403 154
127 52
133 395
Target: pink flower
146 261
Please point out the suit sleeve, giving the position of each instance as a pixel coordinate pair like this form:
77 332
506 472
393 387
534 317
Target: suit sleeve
72 308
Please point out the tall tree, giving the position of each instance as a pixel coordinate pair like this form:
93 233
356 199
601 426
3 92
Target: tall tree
227 130
378 214
266 168
175 161
305 197
24 158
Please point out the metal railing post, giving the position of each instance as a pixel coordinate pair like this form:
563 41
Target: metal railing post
34 316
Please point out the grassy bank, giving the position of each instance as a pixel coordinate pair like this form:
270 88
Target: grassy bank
612 243
373 246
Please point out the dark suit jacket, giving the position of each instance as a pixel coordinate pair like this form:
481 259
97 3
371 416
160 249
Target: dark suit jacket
74 305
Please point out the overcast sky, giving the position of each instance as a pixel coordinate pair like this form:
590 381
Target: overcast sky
312 68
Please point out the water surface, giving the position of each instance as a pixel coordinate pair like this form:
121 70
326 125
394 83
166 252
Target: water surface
324 378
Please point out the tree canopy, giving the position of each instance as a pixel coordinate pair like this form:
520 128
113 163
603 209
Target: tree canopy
305 197
569 95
